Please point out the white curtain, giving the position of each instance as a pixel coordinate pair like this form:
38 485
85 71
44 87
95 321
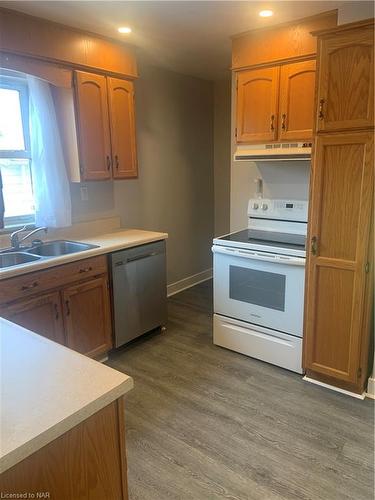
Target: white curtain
50 180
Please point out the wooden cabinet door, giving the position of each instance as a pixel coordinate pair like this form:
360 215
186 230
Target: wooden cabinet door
87 317
296 109
122 120
93 126
341 209
40 314
346 82
257 105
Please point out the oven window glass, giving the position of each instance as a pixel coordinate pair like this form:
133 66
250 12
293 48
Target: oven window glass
257 287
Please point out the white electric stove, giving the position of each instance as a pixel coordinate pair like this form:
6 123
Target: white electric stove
259 283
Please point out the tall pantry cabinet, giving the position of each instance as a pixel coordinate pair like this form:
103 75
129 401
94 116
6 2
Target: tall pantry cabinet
339 283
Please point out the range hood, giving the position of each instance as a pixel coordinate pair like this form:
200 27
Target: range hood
274 152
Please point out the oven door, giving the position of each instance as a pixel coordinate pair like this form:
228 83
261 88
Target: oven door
260 288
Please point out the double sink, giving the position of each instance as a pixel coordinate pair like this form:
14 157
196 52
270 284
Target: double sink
15 257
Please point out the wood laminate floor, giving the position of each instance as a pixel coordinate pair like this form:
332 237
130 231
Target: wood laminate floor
206 423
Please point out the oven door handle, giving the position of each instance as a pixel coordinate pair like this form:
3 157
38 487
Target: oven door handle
249 254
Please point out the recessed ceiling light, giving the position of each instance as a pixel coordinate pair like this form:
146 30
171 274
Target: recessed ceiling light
124 29
266 13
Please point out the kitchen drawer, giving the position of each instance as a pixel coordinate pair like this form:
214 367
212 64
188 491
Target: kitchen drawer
54 277
274 347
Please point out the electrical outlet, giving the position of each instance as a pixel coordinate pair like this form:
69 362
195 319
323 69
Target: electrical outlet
84 193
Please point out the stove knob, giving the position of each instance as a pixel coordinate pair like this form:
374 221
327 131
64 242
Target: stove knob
265 206
255 206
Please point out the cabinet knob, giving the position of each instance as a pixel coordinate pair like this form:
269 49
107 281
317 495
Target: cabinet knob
108 162
321 109
67 304
31 285
117 164
85 269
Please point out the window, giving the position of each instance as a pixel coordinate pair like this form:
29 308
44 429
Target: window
17 203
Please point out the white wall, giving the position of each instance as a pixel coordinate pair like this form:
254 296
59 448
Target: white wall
355 11
222 158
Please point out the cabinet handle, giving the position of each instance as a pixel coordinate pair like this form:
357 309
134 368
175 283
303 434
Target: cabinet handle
67 307
28 287
272 125
283 122
321 105
108 162
314 245
116 162
85 269
56 311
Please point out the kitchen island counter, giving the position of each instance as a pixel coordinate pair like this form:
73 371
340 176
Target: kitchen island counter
47 390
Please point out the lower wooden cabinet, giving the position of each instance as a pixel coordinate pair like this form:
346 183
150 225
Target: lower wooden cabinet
87 317
86 463
69 304
40 314
339 264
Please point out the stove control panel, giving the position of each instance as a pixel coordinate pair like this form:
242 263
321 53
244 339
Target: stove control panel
288 210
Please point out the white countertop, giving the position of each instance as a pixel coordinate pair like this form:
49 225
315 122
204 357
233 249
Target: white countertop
46 390
108 242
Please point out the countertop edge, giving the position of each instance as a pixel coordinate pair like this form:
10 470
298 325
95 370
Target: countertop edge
16 456
31 267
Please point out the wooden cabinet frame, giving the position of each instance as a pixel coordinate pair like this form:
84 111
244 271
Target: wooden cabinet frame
264 123
26 310
121 102
88 462
55 287
105 111
284 111
341 271
78 315
349 89
93 126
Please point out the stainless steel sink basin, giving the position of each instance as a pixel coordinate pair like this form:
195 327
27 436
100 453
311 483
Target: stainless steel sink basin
15 258
59 247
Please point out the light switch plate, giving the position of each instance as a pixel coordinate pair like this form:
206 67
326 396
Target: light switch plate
84 193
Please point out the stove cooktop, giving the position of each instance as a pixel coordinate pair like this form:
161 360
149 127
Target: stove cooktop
267 238
267 241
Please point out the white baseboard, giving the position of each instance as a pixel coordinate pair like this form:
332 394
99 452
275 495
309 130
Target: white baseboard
188 282
371 388
333 388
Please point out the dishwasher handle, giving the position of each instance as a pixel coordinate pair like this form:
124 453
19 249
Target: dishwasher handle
135 258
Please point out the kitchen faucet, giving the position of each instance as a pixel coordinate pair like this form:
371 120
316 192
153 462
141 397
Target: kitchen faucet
15 242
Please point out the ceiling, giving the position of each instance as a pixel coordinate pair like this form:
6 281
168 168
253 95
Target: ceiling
190 37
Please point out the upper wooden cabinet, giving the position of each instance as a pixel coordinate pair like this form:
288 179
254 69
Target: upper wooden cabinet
338 257
105 126
122 119
257 105
296 108
346 82
276 104
93 126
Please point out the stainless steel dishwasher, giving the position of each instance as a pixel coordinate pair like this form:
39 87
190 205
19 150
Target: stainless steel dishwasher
139 290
